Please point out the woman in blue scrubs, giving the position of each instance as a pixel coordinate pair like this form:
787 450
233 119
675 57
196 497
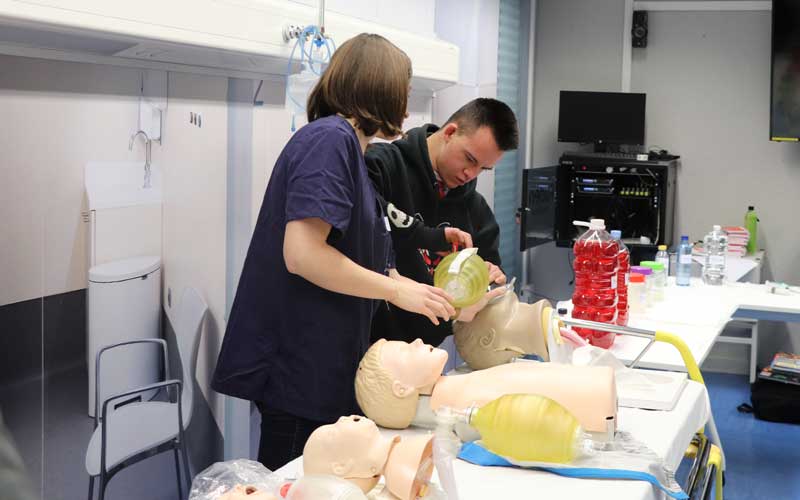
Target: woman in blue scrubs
320 258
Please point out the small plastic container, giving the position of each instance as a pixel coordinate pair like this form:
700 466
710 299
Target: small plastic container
637 293
659 278
648 281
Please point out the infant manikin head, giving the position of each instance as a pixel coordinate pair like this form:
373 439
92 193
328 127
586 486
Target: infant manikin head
390 377
247 492
352 449
503 330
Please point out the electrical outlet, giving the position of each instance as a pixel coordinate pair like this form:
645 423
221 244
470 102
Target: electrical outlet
291 32
196 118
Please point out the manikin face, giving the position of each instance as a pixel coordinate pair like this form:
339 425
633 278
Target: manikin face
465 155
414 364
352 449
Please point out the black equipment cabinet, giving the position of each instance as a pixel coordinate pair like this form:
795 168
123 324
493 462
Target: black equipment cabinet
537 215
636 197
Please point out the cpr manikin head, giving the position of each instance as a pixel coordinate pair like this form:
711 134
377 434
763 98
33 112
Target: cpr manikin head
390 377
352 449
503 330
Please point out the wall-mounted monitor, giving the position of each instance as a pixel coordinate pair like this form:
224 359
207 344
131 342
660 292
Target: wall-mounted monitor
785 108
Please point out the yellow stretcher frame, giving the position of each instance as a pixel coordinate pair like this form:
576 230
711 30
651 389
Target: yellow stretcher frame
712 458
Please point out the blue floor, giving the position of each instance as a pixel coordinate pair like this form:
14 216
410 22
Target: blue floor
762 457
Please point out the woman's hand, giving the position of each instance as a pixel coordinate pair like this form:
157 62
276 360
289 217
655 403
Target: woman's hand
467 314
422 299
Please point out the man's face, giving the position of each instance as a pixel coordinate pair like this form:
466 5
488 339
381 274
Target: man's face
465 155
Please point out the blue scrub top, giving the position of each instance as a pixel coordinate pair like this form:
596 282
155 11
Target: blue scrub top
290 344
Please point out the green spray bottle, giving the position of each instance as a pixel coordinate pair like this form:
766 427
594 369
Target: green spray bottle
751 224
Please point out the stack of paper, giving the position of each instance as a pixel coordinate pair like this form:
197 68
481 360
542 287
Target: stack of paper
785 367
737 240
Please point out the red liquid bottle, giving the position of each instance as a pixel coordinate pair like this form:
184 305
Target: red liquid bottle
623 269
595 295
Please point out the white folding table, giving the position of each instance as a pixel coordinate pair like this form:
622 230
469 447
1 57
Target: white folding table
668 433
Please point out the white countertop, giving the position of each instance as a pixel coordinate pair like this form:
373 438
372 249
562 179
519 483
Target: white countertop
697 313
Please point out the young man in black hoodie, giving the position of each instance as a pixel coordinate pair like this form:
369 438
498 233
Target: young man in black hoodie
427 180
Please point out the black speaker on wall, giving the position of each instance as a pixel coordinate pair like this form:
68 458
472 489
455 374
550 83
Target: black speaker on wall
639 30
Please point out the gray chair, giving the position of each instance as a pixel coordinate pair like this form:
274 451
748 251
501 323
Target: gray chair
126 433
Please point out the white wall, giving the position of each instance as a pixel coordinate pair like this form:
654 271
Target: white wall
194 161
54 117
57 116
578 47
707 79
473 26
410 15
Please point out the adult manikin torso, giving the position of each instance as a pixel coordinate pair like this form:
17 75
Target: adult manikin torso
587 392
393 375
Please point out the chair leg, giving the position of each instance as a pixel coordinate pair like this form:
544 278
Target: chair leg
91 487
101 491
178 473
185 456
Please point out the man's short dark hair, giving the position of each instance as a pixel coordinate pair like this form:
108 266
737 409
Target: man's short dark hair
486 112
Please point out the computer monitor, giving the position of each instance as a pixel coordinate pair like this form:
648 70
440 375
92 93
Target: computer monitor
601 118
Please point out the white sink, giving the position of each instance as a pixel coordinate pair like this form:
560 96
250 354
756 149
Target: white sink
117 184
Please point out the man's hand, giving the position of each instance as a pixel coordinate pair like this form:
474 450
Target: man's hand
461 238
495 274
467 314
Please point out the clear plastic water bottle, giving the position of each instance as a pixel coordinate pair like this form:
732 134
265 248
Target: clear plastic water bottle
715 244
663 257
683 264
623 268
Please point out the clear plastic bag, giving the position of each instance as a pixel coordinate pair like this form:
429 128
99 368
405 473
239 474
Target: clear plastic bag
622 458
223 477
319 486
434 492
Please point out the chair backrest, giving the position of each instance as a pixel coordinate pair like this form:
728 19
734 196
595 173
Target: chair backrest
189 324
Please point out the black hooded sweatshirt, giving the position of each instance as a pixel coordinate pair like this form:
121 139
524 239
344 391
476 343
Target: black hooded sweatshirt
403 176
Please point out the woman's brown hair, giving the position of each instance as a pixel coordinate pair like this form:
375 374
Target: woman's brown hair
368 80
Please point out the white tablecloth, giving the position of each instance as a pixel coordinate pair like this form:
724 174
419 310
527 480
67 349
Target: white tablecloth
667 433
